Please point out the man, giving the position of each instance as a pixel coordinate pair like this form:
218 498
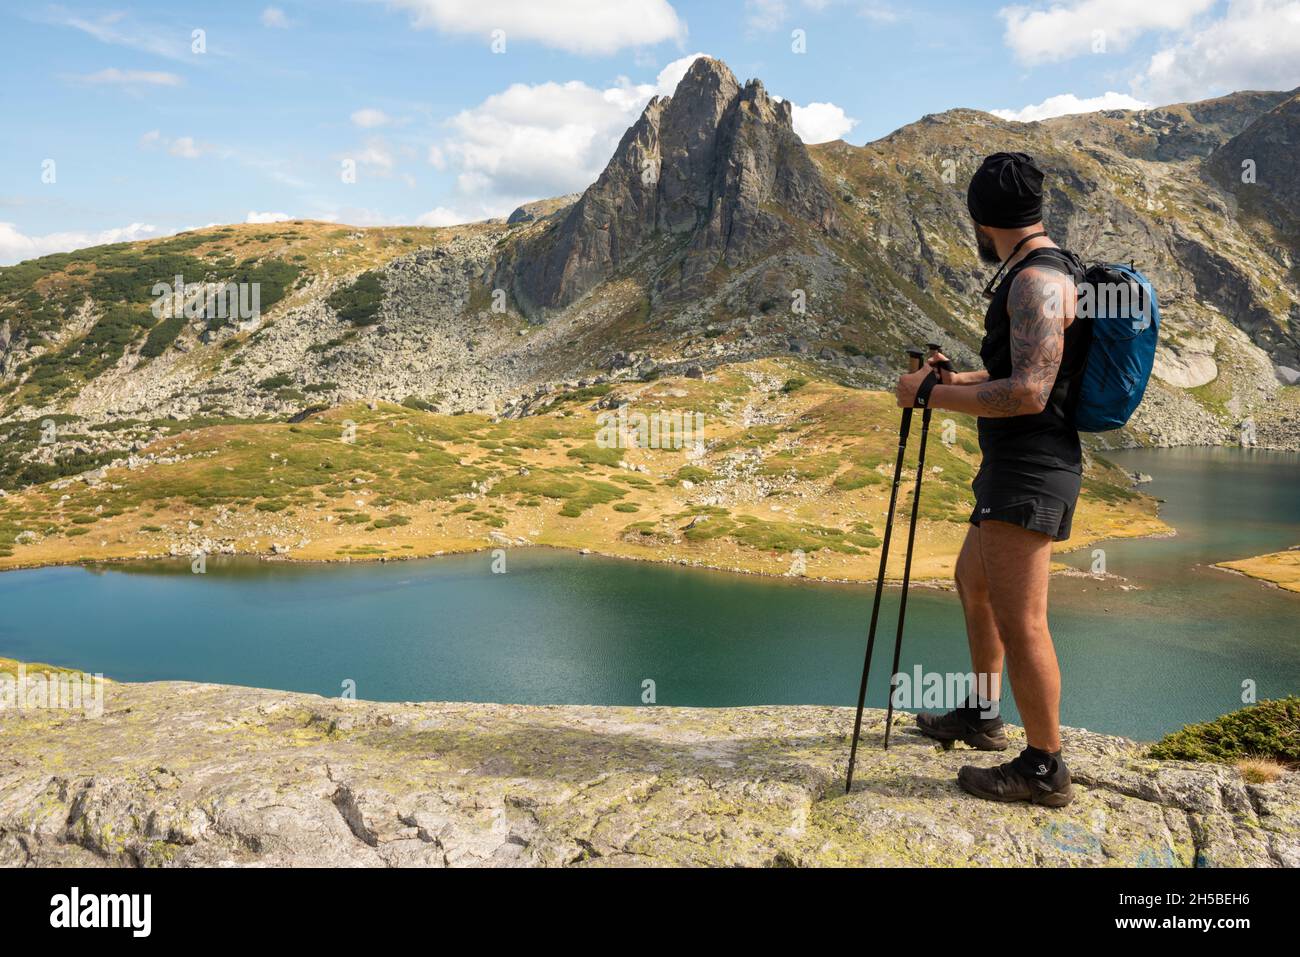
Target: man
1025 492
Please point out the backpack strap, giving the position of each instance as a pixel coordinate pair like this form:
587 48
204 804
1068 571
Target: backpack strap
1073 263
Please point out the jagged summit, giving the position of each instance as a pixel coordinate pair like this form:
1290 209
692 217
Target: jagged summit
712 175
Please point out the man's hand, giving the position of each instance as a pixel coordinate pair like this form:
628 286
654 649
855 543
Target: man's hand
946 375
909 384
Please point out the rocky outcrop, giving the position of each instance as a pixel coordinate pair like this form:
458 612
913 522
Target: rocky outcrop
714 175
1259 166
178 774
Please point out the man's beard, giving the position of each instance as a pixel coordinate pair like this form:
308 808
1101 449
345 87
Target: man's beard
988 251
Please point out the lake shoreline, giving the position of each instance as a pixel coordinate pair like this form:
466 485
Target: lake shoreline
933 582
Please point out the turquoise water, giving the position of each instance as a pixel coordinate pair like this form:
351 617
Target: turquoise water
562 628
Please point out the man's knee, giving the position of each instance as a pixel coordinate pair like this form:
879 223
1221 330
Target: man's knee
1020 633
971 583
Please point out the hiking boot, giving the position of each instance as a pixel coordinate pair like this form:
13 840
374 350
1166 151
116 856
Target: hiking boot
1048 785
985 734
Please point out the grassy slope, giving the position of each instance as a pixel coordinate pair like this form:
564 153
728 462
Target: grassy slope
43 300
1280 568
783 470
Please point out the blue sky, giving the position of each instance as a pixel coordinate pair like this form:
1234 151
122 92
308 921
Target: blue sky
119 124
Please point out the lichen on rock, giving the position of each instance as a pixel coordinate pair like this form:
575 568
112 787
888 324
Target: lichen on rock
178 774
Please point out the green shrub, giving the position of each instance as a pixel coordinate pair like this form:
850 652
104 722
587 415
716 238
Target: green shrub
1270 729
693 473
359 303
278 381
593 454
161 336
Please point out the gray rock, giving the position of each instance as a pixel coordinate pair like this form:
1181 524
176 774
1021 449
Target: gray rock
178 774
705 166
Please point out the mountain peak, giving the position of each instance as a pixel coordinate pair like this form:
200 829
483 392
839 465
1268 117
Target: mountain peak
707 73
704 169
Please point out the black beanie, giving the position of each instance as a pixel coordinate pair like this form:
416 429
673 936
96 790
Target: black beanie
1006 192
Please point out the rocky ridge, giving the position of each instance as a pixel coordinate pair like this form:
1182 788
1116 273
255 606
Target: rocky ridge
715 236
177 774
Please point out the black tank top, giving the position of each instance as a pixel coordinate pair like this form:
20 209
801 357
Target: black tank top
1046 438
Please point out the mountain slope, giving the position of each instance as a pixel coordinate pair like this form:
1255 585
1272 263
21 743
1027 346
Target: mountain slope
714 238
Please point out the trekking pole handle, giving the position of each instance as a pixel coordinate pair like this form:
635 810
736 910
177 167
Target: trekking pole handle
945 364
915 359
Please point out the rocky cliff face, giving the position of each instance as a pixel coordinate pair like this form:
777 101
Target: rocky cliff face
711 177
1261 169
202 775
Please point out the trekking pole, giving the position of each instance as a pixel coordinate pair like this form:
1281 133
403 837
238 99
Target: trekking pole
915 358
907 560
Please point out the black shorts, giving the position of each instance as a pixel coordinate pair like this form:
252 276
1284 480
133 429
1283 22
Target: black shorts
1037 497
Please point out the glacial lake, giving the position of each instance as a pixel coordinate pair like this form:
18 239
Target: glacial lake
559 628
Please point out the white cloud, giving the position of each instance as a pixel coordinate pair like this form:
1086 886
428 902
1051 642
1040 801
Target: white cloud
274 17
821 122
765 15
879 13
255 217
1254 46
578 26
1067 103
15 246
117 30
115 77
768 15
1070 29
376 155
369 118
668 78
442 216
186 147
534 141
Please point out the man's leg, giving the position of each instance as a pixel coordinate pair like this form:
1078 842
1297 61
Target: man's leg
986 651
1016 563
975 721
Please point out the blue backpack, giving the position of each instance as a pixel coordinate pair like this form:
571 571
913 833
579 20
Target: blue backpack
1125 324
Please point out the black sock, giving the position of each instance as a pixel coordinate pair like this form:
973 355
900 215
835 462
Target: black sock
1038 763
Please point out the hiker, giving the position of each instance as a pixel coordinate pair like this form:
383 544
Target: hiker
1033 353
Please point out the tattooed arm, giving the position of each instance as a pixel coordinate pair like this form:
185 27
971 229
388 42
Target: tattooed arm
1038 310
